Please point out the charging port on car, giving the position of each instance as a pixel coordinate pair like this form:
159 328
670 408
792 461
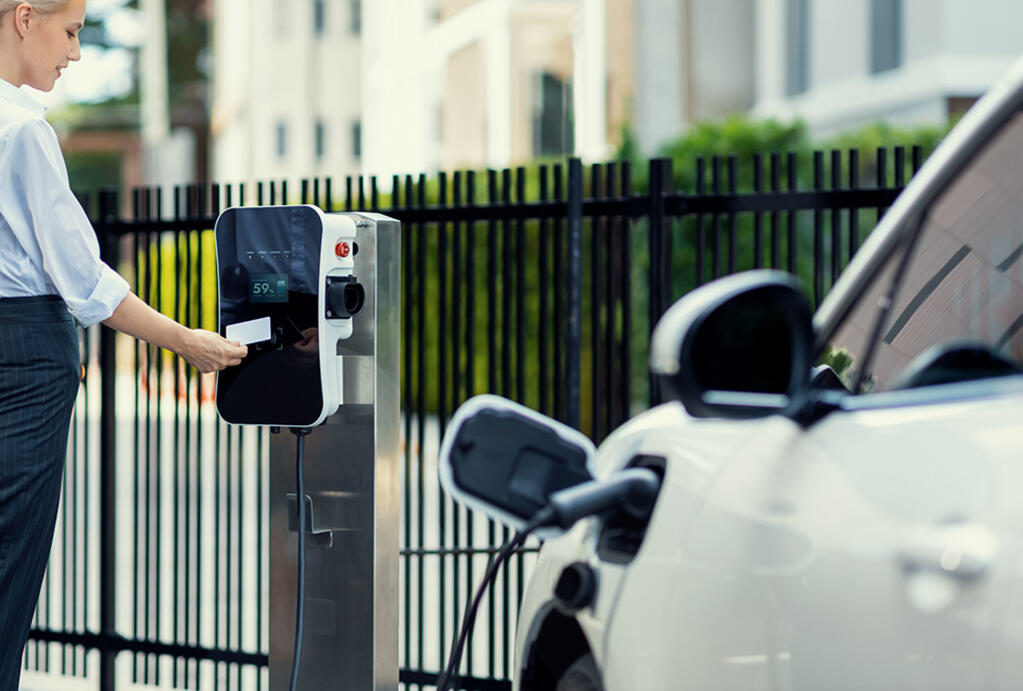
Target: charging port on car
623 531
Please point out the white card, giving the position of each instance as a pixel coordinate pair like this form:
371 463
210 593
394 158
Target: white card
248 332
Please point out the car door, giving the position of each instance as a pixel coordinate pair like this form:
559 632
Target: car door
880 546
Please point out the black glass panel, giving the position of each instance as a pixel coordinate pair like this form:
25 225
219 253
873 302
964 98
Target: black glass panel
269 264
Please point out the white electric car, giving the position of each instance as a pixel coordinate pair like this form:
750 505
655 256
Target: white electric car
840 500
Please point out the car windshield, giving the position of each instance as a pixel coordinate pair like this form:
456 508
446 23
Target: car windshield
964 282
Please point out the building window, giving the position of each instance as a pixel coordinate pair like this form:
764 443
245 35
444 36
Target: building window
282 139
319 17
885 35
357 140
356 14
553 126
797 52
321 139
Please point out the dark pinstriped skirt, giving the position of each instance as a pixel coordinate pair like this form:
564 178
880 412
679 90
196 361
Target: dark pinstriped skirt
39 377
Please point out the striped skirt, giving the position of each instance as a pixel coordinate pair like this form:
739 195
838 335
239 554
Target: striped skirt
39 378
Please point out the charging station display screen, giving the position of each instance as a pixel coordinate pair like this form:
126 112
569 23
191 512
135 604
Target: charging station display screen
268 288
268 261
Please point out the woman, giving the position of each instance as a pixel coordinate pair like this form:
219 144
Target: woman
50 274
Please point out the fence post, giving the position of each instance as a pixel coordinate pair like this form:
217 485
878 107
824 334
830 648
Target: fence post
108 474
660 253
573 345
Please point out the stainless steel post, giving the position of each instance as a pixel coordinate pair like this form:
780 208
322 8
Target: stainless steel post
352 489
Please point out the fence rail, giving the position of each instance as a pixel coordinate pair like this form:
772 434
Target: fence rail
542 285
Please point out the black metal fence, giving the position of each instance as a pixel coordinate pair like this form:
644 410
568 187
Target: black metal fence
542 285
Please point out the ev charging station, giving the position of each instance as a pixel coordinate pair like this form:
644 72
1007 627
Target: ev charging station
317 299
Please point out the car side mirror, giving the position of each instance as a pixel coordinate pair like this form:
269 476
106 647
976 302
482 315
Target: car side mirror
739 347
506 460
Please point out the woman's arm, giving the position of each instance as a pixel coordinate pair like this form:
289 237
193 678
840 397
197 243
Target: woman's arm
205 350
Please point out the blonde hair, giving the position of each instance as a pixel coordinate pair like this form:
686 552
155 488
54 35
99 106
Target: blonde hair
43 6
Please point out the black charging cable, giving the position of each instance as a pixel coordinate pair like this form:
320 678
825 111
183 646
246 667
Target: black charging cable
449 678
300 435
633 491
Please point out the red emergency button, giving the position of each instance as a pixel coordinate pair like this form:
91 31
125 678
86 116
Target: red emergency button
343 249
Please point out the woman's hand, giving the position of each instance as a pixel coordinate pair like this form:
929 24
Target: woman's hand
210 352
203 349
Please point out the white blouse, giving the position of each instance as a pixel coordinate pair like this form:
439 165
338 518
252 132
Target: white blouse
47 243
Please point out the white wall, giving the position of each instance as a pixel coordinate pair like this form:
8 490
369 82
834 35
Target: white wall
724 44
660 106
926 37
982 27
589 43
770 51
399 88
839 40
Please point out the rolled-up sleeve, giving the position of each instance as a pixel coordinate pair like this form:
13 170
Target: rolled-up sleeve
46 216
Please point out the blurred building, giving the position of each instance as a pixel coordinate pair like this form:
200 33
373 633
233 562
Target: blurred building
499 82
470 83
335 87
287 94
393 86
840 65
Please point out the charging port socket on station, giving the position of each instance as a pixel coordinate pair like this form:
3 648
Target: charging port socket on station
345 297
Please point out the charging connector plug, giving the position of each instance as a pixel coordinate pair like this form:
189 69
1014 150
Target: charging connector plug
632 491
